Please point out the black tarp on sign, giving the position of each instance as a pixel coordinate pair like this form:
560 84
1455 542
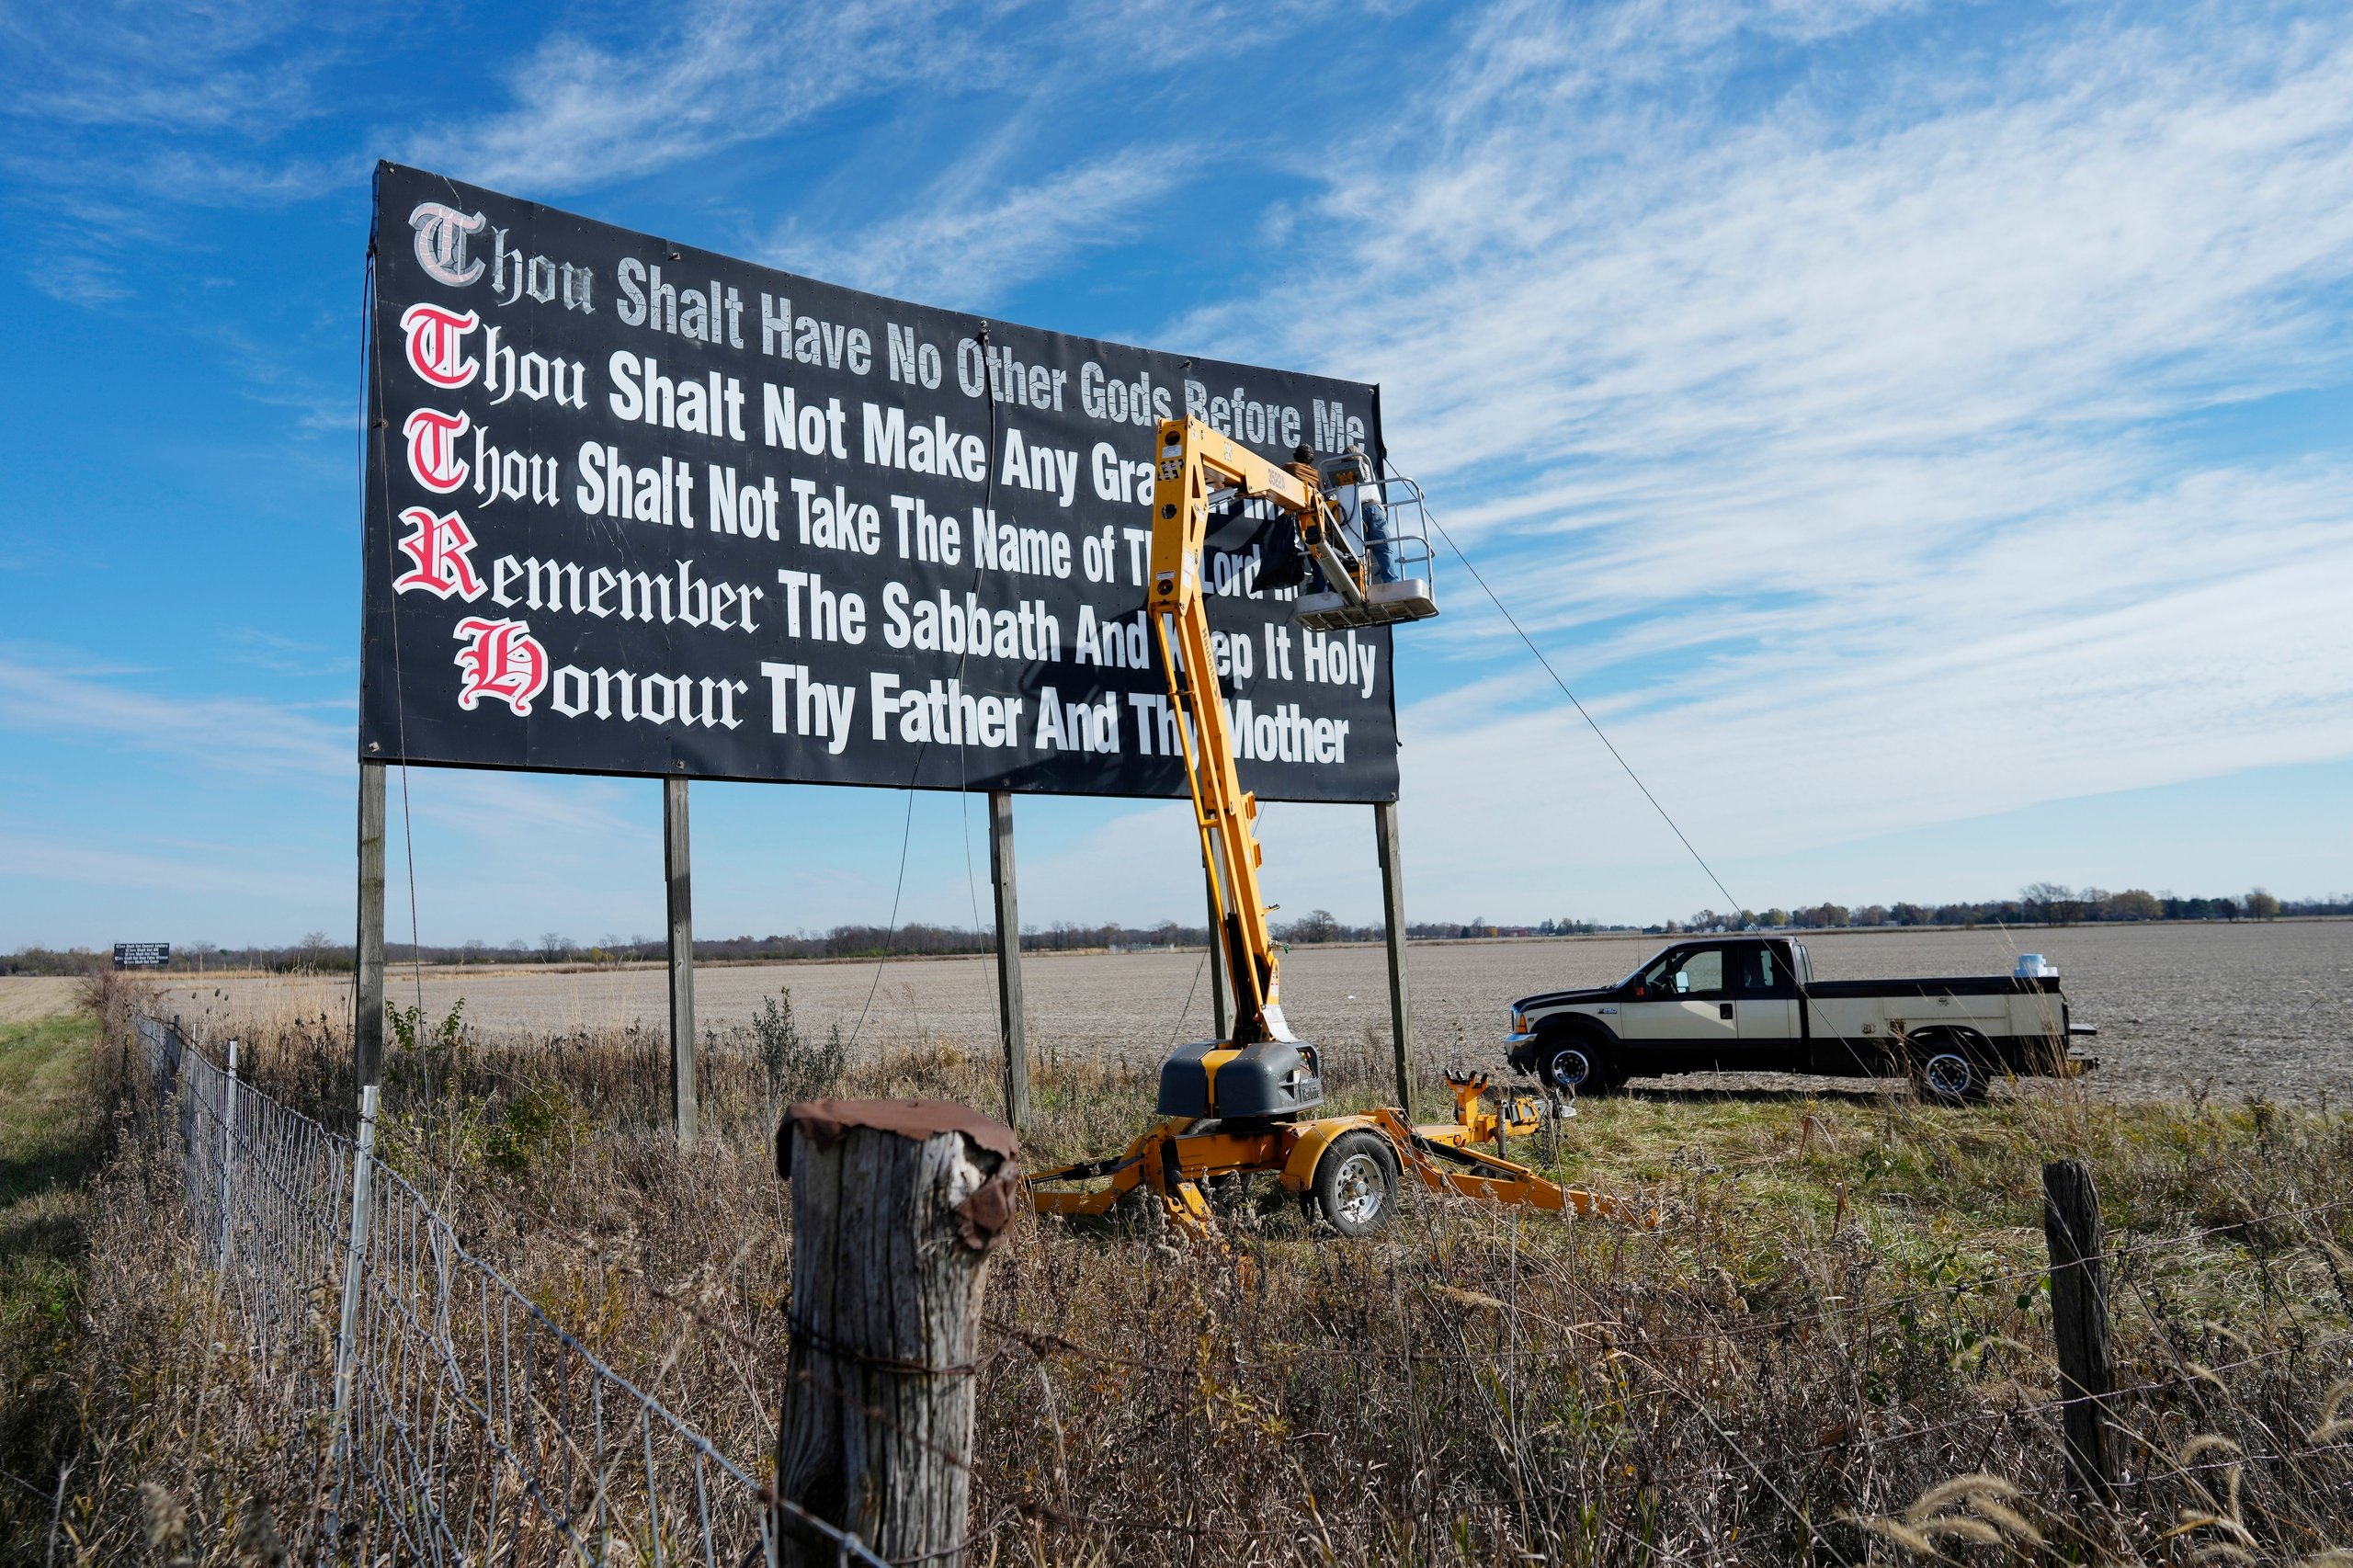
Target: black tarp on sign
632 507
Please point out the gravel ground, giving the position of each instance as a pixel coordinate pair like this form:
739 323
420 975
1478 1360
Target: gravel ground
2240 1008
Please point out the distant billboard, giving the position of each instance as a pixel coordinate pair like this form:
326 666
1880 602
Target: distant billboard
637 508
142 955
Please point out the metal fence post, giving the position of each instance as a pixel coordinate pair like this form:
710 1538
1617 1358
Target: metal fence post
228 1150
363 1162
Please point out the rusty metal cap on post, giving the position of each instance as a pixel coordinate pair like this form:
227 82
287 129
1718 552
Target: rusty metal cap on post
984 1215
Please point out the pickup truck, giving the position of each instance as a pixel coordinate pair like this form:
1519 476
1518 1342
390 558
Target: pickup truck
1752 1005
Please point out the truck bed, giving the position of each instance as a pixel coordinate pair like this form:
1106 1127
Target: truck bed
1935 986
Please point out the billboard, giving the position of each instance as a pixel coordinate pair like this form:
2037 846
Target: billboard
634 508
143 955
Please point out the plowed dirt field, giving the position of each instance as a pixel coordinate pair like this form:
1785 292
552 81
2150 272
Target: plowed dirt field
2239 1009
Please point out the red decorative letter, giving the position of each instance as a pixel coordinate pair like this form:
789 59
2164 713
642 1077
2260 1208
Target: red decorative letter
437 344
441 548
432 454
501 661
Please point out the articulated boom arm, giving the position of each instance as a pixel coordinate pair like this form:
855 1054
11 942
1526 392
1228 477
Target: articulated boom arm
1241 1107
1194 461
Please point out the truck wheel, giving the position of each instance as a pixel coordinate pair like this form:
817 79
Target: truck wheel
1356 1183
1946 1072
1577 1066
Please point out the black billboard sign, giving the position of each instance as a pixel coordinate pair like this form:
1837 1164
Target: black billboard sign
143 955
637 508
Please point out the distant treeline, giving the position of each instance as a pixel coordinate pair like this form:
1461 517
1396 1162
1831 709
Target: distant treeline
2044 903
318 953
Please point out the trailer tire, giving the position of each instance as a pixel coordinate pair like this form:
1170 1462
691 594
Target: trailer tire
1356 1183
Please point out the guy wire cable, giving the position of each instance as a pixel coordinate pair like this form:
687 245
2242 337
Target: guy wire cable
1598 733
963 780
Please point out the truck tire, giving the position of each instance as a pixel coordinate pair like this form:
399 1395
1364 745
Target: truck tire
1356 1183
1951 1070
1576 1064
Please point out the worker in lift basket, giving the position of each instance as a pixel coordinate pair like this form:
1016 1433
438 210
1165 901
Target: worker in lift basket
1372 518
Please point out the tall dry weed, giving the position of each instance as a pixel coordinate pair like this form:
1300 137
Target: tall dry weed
1838 1349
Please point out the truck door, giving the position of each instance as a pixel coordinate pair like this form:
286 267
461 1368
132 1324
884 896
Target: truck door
1683 1017
1764 1005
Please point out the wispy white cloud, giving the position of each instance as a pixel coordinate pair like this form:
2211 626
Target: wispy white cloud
975 232
1836 437
236 66
123 117
233 740
137 709
588 111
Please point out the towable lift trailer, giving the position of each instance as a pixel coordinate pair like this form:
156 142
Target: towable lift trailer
1243 1106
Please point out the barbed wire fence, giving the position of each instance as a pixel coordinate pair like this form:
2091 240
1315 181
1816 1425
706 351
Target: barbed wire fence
452 1420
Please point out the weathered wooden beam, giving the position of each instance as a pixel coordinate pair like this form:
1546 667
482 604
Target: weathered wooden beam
678 872
368 997
895 1205
1392 905
1216 967
2078 1244
1012 1023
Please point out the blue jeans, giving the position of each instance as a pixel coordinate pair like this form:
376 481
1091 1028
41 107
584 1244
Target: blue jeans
1373 518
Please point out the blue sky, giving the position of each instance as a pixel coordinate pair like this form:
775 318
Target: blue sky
1920 434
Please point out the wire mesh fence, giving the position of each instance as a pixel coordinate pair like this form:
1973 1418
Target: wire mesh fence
451 1420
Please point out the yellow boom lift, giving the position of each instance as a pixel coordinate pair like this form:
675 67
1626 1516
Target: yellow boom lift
1244 1106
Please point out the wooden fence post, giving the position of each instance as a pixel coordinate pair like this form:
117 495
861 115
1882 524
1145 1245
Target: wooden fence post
368 978
1013 1026
895 1204
677 877
2078 1244
1217 968
1392 905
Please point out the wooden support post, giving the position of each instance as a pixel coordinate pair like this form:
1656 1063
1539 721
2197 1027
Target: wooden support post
1392 905
2078 1243
1217 968
895 1204
1010 1020
367 999
677 870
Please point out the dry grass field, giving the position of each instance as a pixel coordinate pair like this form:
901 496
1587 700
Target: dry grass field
2245 1008
1835 1349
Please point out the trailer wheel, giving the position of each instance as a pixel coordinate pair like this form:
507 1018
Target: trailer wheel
1356 1183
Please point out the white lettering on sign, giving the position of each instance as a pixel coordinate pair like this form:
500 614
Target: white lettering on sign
625 498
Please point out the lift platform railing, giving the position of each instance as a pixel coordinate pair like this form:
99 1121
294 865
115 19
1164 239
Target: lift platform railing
1374 574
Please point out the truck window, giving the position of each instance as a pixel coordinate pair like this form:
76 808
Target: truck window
1761 971
1804 965
1702 973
